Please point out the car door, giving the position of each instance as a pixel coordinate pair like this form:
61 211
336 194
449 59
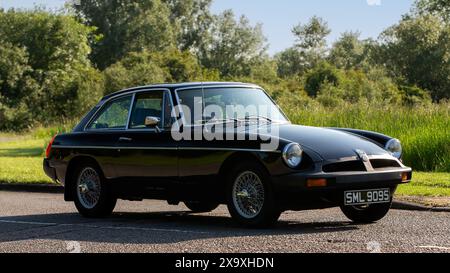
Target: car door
199 160
101 134
148 156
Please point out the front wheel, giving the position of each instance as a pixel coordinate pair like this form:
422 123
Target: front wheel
366 214
250 197
93 197
199 207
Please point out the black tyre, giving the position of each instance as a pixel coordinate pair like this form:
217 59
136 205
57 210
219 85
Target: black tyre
199 207
366 214
250 196
93 197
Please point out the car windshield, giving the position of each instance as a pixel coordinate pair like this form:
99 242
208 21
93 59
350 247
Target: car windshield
228 104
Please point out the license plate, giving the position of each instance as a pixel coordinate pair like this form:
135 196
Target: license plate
367 197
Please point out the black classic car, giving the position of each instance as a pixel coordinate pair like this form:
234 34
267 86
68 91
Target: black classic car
151 143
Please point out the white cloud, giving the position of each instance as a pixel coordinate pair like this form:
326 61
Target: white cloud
374 2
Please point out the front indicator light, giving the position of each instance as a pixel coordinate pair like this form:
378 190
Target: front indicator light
316 183
405 177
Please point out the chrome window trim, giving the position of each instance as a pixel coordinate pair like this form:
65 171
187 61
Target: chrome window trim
129 111
227 149
114 147
131 92
249 86
167 148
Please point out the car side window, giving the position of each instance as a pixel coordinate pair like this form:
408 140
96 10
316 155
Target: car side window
113 116
151 104
192 99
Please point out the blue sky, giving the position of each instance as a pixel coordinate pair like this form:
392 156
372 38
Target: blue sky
370 17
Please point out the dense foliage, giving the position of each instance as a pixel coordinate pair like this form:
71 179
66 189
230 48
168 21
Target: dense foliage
55 65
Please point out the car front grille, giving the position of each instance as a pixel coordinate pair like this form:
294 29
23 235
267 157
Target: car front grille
346 166
358 165
384 163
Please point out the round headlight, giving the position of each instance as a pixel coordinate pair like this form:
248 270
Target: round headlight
394 146
292 155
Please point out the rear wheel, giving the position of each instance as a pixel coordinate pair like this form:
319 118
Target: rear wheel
93 197
250 197
366 214
199 207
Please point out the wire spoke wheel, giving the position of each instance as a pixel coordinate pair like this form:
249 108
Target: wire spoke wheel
248 195
88 188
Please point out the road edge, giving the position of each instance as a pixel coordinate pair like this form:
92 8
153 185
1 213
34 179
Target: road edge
54 188
403 205
33 188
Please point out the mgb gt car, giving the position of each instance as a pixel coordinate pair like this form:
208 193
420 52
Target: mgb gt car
152 143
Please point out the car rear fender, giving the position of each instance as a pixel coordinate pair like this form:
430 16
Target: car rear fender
70 178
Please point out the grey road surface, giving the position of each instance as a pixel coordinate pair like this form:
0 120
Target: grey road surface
35 222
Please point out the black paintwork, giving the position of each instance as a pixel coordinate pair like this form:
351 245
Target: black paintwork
150 164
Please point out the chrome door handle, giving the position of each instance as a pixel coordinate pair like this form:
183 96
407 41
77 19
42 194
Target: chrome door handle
125 139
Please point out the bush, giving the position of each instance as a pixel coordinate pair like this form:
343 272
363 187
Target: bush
144 68
45 73
413 95
136 69
323 73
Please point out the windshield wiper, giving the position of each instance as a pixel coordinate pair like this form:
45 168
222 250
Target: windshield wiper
258 118
220 120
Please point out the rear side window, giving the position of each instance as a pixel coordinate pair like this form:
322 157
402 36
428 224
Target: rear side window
113 116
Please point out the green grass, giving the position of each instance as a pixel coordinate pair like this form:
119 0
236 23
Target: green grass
22 170
427 184
21 160
423 130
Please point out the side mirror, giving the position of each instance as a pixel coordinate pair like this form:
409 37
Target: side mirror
152 122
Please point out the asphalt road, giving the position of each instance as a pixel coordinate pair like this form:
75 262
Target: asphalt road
34 222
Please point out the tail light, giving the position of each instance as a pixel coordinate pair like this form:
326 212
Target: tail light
49 147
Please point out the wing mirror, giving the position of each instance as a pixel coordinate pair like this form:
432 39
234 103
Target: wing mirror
152 122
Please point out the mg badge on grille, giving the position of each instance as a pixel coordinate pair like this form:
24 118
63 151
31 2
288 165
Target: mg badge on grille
362 155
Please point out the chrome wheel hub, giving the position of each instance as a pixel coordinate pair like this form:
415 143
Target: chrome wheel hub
248 195
88 188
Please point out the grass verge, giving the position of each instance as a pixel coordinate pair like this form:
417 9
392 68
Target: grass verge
21 160
427 185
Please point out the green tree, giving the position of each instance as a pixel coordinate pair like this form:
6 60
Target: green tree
136 69
124 26
290 62
348 52
312 35
52 41
311 40
324 73
417 52
179 66
191 20
440 8
16 86
234 46
14 73
145 68
309 50
265 71
51 53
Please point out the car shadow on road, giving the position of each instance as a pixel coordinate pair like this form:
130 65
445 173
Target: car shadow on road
148 228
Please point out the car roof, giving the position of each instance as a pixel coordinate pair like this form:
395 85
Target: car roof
179 85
